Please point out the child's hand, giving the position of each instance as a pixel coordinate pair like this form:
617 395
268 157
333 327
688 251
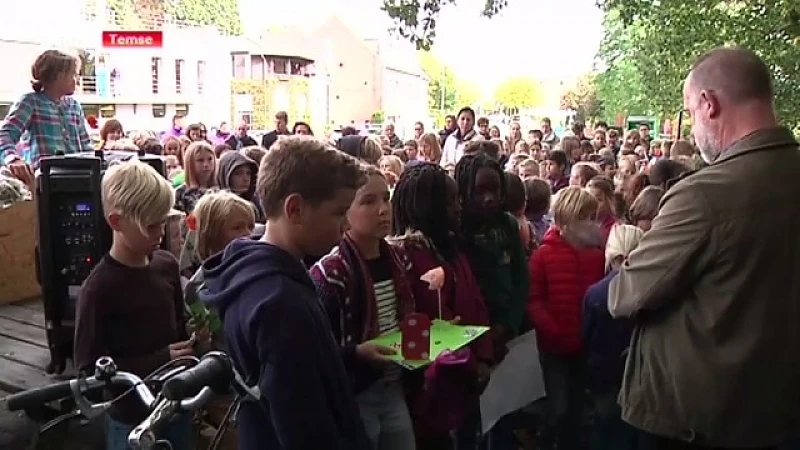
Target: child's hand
182 348
375 353
434 278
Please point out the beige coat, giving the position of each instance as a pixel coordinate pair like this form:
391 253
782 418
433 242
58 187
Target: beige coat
714 289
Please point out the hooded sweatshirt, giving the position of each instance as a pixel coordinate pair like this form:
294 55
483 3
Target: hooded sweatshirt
351 145
228 163
278 336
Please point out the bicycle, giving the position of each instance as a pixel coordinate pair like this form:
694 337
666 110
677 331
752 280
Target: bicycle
188 384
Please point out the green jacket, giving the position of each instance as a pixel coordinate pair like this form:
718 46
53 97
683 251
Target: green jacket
499 263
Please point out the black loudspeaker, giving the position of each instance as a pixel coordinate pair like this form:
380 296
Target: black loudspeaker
72 237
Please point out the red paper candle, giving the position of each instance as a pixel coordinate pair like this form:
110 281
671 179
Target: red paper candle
416 337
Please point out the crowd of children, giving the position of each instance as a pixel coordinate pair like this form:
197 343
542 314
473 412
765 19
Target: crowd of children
513 259
527 233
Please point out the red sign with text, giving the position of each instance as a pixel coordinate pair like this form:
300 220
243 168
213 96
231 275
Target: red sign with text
133 39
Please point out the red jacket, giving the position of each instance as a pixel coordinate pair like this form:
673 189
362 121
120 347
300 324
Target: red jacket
560 276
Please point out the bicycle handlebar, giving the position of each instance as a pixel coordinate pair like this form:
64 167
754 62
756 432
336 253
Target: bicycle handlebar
214 371
187 390
77 388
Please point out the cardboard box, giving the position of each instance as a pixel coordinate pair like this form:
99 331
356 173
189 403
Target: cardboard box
17 253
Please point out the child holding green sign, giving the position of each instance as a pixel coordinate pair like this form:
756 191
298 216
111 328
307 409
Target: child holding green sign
363 287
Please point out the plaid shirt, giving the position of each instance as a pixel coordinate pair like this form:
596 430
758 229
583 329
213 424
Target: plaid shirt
51 127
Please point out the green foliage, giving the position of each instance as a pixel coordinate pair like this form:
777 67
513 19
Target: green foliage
467 94
221 13
442 88
378 117
620 87
658 42
518 93
416 21
141 13
263 93
582 98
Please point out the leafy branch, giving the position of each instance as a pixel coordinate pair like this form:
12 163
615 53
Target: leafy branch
416 21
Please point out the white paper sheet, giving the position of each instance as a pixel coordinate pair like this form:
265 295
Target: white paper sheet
515 383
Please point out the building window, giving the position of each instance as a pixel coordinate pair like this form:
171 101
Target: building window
182 110
155 67
239 63
4 108
201 76
178 75
279 66
256 67
298 67
108 111
247 117
159 111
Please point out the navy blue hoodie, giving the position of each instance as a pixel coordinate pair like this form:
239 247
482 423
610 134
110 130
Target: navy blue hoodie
605 338
278 334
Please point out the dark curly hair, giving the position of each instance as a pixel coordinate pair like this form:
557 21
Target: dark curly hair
419 203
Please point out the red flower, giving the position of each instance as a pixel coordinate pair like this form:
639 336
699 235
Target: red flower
191 222
92 122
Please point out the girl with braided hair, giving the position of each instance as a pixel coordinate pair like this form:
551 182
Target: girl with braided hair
426 214
491 240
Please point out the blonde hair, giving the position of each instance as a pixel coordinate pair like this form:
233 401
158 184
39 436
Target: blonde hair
211 213
432 141
137 191
529 164
394 163
188 161
138 137
573 204
622 240
371 150
51 65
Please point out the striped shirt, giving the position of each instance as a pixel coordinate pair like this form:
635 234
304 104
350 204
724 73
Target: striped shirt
385 304
51 127
386 299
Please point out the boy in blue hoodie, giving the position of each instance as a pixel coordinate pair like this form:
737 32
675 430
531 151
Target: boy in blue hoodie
276 331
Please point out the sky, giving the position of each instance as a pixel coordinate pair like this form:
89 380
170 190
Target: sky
542 39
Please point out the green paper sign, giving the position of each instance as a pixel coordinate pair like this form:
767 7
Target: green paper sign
444 336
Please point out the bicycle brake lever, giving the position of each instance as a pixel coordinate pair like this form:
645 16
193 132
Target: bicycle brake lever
86 408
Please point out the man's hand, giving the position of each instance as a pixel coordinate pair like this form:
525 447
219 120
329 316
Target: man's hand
374 353
23 172
182 348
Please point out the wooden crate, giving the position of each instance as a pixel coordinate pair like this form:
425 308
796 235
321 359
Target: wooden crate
17 253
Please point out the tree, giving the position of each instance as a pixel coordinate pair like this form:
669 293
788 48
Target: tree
467 94
582 98
518 93
416 21
620 87
442 90
223 14
665 39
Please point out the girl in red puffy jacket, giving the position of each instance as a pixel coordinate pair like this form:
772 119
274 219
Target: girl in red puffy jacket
570 259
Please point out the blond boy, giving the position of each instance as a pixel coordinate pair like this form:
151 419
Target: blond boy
131 306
